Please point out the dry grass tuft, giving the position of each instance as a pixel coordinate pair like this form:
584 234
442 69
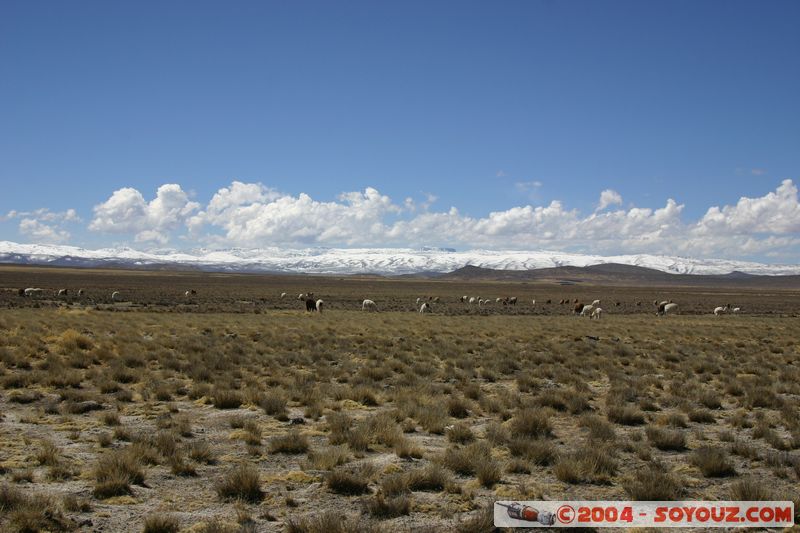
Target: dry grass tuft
653 484
586 465
227 399
292 442
330 522
382 507
625 415
713 462
749 489
115 472
531 422
22 512
666 439
240 483
161 523
349 481
429 478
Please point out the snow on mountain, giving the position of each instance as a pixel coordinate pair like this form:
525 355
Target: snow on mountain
354 261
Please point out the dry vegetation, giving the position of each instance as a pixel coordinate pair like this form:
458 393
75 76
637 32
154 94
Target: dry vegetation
231 416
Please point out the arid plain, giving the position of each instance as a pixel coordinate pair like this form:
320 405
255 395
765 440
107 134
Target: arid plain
234 409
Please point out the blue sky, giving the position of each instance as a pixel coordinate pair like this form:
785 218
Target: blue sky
488 106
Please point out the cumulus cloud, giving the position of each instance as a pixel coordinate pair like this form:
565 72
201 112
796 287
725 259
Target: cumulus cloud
776 212
126 211
41 232
608 198
252 214
44 225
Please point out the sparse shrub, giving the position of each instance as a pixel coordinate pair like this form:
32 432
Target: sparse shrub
531 423
666 439
48 454
123 433
364 395
24 397
227 399
25 474
647 404
161 523
163 393
348 480
114 473
457 407
743 449
110 418
652 483
460 433
481 521
237 421
358 441
555 399
488 472
749 489
625 415
540 451
496 433
405 448
274 404
339 426
179 466
395 484
676 420
60 472
433 418
712 462
241 482
182 425
28 513
329 522
292 442
702 416
710 399
76 504
201 452
429 478
328 458
598 428
391 507
465 460
589 464
252 433
72 340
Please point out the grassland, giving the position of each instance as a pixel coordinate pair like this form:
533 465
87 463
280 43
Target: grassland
235 410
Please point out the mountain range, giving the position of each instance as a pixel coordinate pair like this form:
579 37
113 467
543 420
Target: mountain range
387 262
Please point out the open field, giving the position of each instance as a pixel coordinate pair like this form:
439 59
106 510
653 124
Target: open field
234 409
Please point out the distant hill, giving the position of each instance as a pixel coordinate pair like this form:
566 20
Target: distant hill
618 274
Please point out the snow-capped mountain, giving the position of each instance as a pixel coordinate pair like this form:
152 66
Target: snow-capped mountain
354 261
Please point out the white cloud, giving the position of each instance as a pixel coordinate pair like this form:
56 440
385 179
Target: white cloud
775 213
44 215
607 198
126 211
44 225
41 232
252 214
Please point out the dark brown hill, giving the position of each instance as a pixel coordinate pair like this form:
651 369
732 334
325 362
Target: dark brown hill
617 274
